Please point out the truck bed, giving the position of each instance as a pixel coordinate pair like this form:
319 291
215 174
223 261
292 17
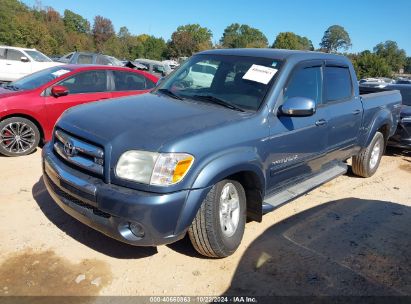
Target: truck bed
374 100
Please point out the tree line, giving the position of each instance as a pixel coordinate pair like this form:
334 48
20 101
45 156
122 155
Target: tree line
52 33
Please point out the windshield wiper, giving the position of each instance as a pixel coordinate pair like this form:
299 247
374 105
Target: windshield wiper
11 87
218 101
170 93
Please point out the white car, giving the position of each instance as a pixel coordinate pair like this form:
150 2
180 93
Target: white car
203 73
18 62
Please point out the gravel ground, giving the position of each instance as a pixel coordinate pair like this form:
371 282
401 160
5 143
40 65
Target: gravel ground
350 236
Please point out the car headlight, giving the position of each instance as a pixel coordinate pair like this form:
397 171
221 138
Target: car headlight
161 169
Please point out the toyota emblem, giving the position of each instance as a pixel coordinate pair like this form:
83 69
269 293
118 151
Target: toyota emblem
69 149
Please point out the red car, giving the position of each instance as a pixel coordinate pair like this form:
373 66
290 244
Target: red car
30 106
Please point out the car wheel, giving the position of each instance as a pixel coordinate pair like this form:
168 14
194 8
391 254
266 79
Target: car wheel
218 228
366 163
18 136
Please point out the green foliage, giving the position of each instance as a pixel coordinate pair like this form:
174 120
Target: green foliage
395 57
189 39
367 64
75 23
291 41
335 38
243 36
407 68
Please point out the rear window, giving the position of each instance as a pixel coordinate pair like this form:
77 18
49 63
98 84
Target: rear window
85 59
338 85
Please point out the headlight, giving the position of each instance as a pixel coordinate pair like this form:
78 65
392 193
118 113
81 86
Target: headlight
161 169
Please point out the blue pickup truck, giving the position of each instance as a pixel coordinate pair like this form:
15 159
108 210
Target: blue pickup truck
230 135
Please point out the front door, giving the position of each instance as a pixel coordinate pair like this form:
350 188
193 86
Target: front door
83 87
297 144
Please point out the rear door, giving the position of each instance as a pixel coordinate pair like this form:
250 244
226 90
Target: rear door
84 87
297 144
344 110
130 83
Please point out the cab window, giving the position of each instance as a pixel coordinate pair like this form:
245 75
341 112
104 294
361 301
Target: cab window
305 82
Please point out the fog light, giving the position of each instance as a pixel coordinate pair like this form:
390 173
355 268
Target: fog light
136 229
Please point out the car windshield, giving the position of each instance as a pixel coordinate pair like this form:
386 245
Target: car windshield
37 56
38 79
115 61
240 82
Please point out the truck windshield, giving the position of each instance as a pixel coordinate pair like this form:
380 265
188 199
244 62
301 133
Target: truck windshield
38 79
241 81
37 56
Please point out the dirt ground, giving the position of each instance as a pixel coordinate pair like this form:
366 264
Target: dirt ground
350 236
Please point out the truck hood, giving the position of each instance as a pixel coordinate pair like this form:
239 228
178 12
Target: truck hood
144 122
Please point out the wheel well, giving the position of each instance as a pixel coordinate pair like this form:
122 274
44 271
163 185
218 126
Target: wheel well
32 120
385 130
253 192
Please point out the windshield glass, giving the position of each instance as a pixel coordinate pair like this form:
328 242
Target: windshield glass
241 81
115 61
37 56
39 78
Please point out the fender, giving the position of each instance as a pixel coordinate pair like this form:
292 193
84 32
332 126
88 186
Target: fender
383 117
232 162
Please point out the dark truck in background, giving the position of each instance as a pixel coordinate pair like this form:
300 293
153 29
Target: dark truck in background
199 157
402 137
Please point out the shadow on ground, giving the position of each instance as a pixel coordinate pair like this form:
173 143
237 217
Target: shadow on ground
347 247
82 233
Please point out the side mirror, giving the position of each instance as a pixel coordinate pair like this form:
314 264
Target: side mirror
58 91
24 59
298 106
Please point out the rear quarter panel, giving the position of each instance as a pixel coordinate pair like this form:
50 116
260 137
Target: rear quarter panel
382 108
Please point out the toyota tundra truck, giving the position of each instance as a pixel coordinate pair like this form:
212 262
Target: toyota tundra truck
201 157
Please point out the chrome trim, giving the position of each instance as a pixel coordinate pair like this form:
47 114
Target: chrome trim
79 161
80 145
78 187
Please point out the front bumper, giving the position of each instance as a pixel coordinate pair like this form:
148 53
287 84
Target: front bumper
110 209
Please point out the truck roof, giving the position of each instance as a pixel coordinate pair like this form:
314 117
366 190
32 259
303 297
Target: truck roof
278 54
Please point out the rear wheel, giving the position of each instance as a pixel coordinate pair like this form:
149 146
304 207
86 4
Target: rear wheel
18 136
366 163
218 228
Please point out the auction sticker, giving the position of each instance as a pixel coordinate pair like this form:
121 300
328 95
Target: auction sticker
260 73
60 72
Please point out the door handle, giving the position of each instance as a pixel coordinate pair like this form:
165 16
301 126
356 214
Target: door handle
356 112
320 122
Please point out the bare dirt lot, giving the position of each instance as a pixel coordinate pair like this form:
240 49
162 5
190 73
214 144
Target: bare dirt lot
351 236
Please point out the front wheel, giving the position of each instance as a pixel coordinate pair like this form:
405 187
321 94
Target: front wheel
366 163
218 228
18 136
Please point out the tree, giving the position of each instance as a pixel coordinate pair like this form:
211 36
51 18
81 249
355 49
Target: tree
8 21
76 23
291 41
152 47
368 64
407 68
243 36
394 56
189 39
335 38
103 30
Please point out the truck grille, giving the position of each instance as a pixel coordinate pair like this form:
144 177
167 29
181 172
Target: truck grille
79 153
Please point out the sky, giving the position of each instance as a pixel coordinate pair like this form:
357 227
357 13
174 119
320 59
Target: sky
367 22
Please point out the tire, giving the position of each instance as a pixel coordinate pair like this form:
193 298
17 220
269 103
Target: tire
18 136
209 233
366 163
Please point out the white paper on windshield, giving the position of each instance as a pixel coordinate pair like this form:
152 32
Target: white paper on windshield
60 72
260 73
